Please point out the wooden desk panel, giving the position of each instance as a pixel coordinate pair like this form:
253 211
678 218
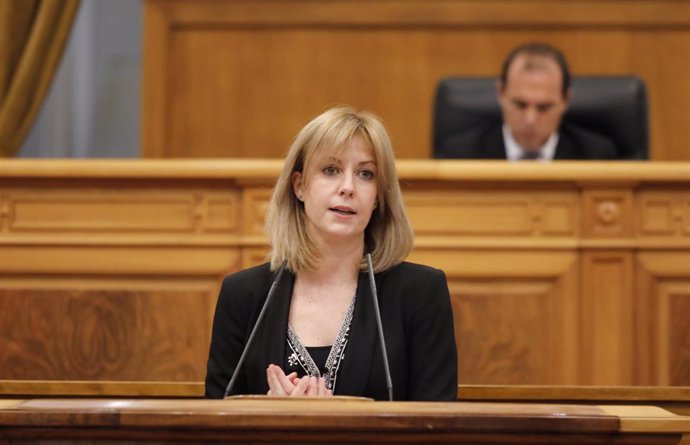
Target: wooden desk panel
561 274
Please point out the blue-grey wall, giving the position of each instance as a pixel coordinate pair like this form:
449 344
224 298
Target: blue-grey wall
93 107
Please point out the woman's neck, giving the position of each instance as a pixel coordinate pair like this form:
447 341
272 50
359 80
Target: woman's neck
337 264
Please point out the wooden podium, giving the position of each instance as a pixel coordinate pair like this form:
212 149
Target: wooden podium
115 421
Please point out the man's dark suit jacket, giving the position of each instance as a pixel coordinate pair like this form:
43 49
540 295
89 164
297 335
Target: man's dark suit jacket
487 143
417 323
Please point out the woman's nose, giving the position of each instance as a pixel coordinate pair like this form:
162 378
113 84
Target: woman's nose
346 185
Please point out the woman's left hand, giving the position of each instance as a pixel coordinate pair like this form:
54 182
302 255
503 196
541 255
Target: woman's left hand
282 385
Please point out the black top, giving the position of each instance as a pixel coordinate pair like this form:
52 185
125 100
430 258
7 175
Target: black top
417 322
318 353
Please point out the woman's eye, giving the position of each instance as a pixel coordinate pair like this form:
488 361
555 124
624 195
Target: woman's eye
366 174
330 170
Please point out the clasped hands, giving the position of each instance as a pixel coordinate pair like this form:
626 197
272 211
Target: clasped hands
290 385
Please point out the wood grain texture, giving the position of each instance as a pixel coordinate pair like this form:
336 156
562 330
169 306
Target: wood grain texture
679 333
494 212
672 398
580 393
255 202
104 334
103 210
513 331
254 256
664 214
606 343
100 388
233 79
662 301
316 421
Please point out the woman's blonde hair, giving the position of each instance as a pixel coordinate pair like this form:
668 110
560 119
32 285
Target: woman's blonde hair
388 236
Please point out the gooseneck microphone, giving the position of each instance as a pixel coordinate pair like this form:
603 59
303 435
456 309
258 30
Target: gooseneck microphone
271 291
374 296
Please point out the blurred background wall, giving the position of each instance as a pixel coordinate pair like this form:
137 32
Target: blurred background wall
93 107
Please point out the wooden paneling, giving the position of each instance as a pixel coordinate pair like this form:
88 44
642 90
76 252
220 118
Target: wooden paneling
111 282
255 201
606 319
572 273
664 214
51 208
229 78
675 344
254 256
663 308
96 334
515 313
492 212
607 213
514 331
46 211
100 388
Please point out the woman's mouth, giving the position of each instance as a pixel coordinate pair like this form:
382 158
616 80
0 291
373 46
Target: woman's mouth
342 210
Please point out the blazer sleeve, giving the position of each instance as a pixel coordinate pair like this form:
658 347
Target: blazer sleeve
227 341
432 351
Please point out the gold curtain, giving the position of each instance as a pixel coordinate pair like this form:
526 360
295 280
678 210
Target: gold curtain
32 36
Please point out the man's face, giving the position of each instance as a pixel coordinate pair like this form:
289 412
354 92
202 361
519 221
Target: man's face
532 100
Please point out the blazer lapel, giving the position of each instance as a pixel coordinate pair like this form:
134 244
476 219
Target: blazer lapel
494 145
271 337
356 365
566 148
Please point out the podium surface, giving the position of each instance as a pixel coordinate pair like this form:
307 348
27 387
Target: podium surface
335 421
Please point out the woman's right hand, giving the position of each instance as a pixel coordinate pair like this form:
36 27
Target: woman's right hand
282 385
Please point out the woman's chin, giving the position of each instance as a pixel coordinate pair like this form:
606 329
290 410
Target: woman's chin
343 237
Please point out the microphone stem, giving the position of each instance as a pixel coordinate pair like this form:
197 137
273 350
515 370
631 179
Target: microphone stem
379 325
240 362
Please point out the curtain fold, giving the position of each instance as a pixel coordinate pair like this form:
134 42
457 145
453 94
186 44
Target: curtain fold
33 34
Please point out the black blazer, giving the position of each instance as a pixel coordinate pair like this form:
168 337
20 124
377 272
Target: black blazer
574 143
417 322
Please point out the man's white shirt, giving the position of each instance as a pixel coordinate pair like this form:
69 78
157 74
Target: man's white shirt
515 152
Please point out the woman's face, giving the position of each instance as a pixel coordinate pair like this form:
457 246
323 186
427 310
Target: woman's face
339 193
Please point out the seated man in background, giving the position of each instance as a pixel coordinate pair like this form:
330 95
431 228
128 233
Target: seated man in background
533 92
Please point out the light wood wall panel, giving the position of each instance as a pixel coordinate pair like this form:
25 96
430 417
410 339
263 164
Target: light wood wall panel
517 329
573 273
493 211
662 313
607 324
230 78
106 279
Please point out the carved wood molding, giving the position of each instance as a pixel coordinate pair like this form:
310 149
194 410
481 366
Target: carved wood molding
664 213
574 273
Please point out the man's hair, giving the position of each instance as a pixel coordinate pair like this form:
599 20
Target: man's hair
388 236
538 49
